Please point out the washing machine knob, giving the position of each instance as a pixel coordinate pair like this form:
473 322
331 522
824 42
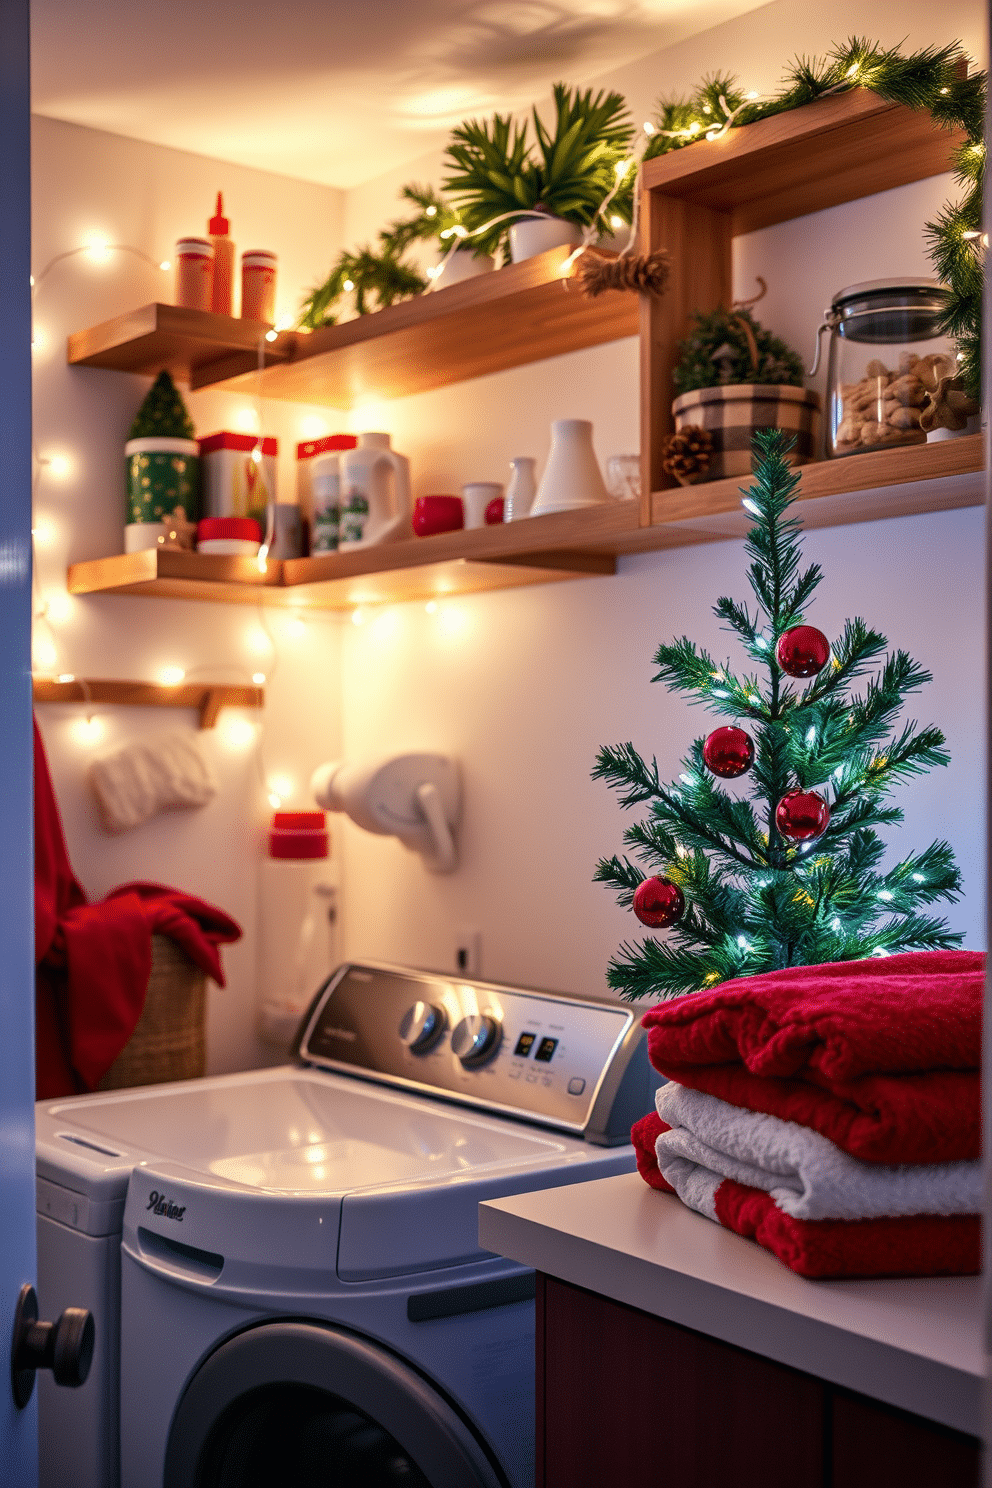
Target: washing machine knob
476 1038
421 1026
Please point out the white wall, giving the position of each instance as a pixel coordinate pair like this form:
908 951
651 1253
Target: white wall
523 686
145 196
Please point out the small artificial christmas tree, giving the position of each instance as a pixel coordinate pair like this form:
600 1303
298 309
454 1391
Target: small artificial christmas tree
789 875
163 413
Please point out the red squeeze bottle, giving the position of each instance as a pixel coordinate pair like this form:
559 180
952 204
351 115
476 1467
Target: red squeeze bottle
223 259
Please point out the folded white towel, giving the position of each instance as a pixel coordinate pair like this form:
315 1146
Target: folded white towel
806 1175
158 773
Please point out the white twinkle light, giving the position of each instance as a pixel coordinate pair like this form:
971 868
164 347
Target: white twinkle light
686 779
884 894
256 456
720 692
918 878
648 127
272 335
811 736
258 678
349 284
879 951
98 249
743 942
165 265
761 642
835 924
237 732
751 506
617 222
87 731
171 676
58 465
431 607
65 677
430 211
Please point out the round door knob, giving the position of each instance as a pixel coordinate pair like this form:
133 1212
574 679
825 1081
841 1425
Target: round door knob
421 1026
65 1347
476 1038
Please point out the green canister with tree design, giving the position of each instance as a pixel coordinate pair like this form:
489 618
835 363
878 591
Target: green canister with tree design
162 468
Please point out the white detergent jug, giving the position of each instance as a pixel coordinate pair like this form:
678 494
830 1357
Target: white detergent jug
375 494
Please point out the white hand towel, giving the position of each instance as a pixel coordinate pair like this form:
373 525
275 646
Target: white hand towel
154 774
806 1175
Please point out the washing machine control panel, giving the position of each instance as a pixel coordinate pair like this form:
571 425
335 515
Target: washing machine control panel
530 1053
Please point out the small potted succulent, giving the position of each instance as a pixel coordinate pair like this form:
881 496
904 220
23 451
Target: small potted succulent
564 175
162 471
732 378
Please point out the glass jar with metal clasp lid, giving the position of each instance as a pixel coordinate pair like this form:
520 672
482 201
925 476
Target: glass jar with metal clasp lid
887 355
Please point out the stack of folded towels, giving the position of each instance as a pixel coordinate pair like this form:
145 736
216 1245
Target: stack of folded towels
831 1113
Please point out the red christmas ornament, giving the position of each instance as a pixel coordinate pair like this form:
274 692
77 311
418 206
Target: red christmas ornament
658 902
728 752
802 815
802 651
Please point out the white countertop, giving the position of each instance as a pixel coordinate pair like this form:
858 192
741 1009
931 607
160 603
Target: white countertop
914 1343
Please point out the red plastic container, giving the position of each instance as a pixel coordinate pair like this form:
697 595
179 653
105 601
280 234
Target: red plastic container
437 514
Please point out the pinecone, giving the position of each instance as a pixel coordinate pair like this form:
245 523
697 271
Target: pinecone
687 454
644 273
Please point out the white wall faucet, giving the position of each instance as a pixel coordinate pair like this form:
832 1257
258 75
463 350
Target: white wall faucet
415 797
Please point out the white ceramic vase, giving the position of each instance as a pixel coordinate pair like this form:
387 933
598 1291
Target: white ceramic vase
572 477
521 490
463 264
533 235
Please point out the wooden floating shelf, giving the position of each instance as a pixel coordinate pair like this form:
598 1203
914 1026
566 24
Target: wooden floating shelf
903 482
186 343
207 698
541 550
522 313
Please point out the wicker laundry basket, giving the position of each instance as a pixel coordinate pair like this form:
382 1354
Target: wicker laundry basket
169 1042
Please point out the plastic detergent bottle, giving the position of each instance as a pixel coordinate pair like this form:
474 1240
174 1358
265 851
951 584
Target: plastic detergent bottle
297 921
375 493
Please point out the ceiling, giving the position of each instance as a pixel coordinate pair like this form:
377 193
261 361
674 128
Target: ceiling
337 92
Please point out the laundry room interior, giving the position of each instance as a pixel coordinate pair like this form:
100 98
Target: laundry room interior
519 679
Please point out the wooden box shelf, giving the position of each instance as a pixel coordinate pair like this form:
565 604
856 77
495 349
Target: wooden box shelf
523 313
698 199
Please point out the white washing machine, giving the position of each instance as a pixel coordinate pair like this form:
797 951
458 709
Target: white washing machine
284 1266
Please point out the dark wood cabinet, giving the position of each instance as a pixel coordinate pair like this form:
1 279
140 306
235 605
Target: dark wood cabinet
627 1398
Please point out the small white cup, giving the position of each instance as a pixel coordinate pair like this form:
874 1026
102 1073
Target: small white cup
476 496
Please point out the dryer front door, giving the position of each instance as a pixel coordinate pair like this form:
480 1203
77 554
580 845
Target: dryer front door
300 1404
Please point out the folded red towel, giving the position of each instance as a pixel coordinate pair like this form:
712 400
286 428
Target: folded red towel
879 1118
926 1245
833 1023
880 1056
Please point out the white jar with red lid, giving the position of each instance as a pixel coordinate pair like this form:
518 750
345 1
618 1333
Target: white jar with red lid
258 285
194 273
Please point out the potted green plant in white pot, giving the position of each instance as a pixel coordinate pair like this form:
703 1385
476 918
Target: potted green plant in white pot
537 194
732 378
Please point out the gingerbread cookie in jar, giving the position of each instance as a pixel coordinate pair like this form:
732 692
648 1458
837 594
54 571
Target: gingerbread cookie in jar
888 357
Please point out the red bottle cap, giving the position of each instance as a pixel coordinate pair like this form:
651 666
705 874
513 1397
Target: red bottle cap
218 226
245 527
298 834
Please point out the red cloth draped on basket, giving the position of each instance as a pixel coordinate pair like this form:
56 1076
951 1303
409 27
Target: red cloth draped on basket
93 960
915 1245
880 1056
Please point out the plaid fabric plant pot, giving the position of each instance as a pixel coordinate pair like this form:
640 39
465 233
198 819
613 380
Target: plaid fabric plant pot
733 413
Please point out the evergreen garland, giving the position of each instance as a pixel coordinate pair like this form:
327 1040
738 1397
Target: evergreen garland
755 900
932 79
